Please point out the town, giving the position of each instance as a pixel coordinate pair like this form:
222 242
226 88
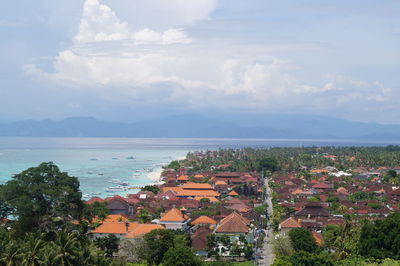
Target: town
282 206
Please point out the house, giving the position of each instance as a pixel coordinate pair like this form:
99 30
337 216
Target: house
142 229
233 193
204 220
197 190
119 229
288 225
183 179
234 225
199 240
311 211
118 205
221 186
174 219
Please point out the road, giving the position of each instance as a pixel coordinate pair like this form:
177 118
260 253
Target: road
268 255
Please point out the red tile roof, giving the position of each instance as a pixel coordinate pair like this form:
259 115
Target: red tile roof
289 223
233 223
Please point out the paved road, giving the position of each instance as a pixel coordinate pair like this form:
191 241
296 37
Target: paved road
268 256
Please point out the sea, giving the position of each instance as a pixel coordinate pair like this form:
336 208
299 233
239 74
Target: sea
99 163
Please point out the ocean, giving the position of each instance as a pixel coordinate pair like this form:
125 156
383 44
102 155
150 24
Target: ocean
96 162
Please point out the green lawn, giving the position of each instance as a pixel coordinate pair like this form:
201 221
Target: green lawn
244 263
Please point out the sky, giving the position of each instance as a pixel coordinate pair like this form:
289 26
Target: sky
128 60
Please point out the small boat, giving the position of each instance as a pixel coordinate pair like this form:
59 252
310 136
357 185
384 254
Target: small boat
93 159
115 158
116 189
119 182
95 193
100 174
130 158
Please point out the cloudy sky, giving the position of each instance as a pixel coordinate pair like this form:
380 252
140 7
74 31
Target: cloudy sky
127 60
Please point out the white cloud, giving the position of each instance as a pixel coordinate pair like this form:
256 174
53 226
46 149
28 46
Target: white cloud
100 23
171 36
110 58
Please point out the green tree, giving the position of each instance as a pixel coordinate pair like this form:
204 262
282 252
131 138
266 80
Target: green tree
282 246
96 209
381 238
302 258
212 245
180 256
302 240
39 194
174 165
144 216
109 244
151 188
158 242
267 164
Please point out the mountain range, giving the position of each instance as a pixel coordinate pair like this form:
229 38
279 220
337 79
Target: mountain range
197 126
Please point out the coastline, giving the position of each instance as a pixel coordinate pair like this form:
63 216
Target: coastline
155 176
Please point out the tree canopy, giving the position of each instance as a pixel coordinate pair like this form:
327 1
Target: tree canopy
40 196
381 238
302 240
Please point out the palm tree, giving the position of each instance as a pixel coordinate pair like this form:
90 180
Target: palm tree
32 253
11 255
67 249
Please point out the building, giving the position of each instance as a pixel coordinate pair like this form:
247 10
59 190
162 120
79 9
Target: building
197 190
142 229
234 225
287 225
174 219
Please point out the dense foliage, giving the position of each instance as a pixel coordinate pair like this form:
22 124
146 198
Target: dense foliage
41 198
381 239
294 159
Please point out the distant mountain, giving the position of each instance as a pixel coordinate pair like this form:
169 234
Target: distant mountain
196 126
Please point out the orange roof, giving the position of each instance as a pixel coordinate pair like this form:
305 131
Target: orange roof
198 193
204 220
173 215
142 229
113 228
297 191
212 199
115 218
191 185
233 193
289 223
199 176
318 170
221 183
318 238
244 210
183 178
174 189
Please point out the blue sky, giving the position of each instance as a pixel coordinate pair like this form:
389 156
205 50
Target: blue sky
127 60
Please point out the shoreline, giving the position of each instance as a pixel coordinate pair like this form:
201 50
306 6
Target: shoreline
155 176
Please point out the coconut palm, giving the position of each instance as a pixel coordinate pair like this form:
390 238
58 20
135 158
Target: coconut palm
67 249
32 251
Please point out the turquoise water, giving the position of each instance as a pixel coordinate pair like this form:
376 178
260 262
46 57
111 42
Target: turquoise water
96 161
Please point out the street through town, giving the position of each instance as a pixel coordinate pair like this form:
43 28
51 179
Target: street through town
268 255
